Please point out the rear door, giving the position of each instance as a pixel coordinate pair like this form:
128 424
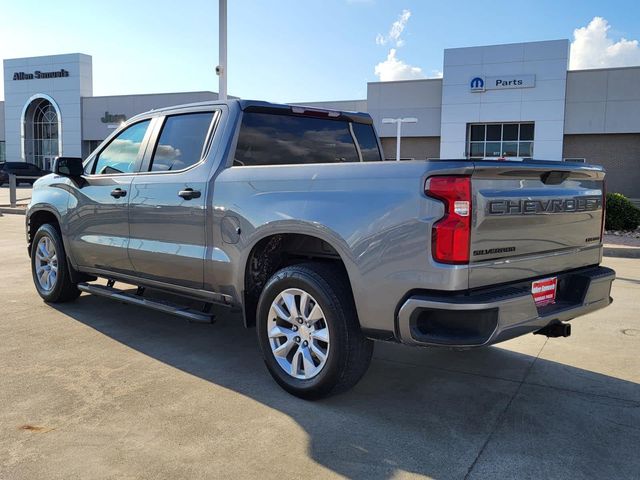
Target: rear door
532 218
167 208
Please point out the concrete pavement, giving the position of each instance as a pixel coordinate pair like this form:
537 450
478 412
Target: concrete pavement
23 194
96 389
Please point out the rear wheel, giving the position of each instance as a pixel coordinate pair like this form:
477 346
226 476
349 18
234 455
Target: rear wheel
49 266
309 332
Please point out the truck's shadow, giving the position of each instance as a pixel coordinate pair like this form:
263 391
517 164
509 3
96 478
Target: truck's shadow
417 410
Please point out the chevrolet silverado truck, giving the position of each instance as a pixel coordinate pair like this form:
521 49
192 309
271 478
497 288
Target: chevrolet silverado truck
291 215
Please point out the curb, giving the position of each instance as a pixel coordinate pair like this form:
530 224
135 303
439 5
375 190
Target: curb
621 252
13 211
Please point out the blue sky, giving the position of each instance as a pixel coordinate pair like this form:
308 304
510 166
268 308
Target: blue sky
299 50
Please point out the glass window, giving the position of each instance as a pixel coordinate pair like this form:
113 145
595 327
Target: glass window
510 132
367 141
181 141
494 149
2 154
501 140
510 149
123 152
526 149
477 149
494 133
477 133
526 131
273 139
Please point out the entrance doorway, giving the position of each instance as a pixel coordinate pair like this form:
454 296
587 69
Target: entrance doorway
41 132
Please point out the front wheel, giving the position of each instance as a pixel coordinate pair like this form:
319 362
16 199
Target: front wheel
309 332
49 266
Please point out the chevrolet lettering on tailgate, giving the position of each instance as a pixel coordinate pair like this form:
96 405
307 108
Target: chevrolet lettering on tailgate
555 205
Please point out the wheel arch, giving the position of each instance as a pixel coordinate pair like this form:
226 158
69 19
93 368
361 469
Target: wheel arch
36 217
278 248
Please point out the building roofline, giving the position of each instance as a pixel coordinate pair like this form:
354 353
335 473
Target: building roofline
152 94
509 44
630 67
437 79
45 56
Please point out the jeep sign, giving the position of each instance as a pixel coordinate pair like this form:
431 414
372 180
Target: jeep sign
480 84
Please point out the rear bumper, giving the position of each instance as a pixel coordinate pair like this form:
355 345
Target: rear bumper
492 315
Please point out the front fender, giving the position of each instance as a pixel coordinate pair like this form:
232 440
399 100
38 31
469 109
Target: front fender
51 195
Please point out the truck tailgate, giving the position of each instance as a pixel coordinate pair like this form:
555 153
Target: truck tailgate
533 218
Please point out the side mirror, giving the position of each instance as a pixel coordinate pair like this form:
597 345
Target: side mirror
69 167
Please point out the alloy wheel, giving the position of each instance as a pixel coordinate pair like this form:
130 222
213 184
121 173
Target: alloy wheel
298 333
46 264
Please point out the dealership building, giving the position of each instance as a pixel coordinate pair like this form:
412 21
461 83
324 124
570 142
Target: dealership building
500 101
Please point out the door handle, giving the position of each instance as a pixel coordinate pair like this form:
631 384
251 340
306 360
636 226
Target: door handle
189 193
118 192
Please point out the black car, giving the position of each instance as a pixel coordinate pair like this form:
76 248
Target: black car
24 172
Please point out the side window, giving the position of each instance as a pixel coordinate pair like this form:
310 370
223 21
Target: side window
367 141
181 141
272 139
123 152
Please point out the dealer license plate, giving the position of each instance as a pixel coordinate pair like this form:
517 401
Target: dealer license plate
544 291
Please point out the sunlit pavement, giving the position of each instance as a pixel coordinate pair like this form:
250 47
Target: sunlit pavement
23 194
96 389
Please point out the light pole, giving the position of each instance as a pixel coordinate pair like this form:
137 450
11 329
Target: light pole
399 122
221 69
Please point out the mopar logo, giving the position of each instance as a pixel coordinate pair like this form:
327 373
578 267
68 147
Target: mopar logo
477 84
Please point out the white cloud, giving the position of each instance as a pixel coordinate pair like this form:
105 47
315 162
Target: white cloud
592 47
395 69
395 31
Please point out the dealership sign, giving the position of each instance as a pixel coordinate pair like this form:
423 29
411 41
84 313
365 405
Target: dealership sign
113 118
502 82
62 73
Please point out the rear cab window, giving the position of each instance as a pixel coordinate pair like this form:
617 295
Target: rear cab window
181 141
287 139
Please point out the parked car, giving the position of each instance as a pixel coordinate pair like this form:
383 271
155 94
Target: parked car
4 176
290 215
24 172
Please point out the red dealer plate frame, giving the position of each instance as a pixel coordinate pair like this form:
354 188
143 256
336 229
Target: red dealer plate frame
544 291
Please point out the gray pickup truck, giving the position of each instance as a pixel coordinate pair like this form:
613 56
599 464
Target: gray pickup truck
291 215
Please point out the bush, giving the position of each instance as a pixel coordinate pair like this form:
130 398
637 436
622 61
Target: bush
621 213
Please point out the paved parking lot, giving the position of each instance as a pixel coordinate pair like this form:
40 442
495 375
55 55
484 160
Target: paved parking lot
23 194
96 389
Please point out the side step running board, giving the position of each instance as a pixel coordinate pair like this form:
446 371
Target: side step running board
162 306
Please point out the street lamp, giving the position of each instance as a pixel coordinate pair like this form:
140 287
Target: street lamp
221 69
399 122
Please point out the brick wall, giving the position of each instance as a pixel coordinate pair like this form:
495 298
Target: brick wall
618 153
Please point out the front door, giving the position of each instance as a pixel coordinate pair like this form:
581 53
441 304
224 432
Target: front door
98 219
167 204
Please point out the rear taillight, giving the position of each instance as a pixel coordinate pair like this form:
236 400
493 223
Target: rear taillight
451 235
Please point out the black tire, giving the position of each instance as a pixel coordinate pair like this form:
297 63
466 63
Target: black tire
63 289
350 352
